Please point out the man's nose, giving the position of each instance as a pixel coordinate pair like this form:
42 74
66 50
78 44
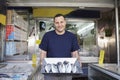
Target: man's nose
59 24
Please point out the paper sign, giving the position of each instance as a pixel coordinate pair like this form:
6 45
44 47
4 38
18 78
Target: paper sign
3 19
101 57
34 58
38 41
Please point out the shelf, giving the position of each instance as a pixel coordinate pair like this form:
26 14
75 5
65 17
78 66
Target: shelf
7 40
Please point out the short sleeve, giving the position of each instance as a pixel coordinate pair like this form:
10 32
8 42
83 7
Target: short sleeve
75 45
44 43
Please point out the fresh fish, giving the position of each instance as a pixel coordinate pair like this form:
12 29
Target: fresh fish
74 68
65 62
54 68
48 68
68 68
61 67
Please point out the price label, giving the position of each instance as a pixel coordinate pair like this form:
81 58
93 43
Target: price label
101 57
38 41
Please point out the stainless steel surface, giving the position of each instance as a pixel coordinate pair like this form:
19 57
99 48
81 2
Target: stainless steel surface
114 68
89 59
2 42
61 3
17 58
111 70
117 32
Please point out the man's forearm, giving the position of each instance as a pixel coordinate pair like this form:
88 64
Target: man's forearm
75 54
42 56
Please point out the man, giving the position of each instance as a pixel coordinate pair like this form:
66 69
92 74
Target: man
59 42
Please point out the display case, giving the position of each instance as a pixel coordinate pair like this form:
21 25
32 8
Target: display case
104 72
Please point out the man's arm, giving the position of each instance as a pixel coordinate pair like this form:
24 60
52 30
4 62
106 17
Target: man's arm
42 55
75 54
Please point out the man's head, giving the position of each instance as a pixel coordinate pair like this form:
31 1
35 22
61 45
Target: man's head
59 23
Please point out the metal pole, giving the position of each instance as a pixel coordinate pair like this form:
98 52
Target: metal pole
35 35
117 31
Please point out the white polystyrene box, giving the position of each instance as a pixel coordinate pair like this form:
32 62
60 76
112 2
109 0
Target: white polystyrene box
68 69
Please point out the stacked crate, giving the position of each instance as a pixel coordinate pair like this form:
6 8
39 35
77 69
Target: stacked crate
14 18
12 33
10 48
13 48
16 34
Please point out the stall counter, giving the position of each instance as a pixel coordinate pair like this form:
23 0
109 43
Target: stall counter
104 72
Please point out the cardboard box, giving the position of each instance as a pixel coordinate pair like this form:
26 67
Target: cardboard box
61 65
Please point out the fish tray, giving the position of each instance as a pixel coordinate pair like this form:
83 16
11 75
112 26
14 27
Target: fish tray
61 66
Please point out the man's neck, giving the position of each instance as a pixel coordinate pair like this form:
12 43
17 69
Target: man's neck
60 32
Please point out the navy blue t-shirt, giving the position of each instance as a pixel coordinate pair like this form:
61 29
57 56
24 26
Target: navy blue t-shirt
59 45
